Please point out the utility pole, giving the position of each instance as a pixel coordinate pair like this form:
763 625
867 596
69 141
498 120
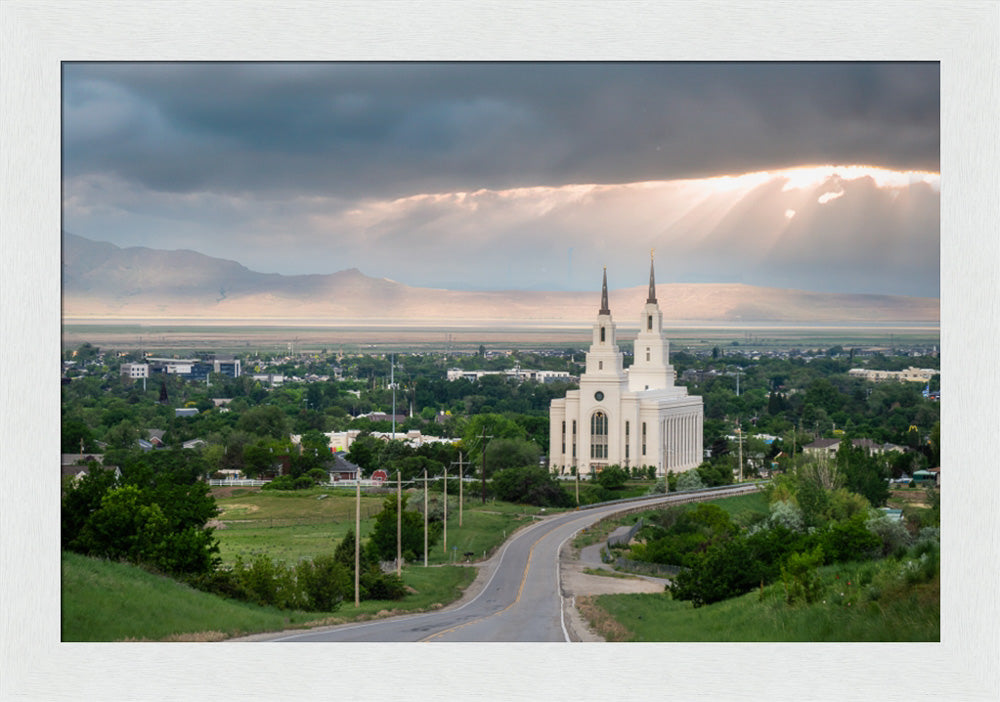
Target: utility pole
483 438
577 471
392 381
461 483
739 438
399 523
357 541
445 536
425 517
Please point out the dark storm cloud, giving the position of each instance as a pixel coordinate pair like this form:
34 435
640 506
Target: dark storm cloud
388 130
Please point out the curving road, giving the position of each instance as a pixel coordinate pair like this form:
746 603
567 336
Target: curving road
522 598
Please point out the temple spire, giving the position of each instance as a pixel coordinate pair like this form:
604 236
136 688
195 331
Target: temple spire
604 294
652 281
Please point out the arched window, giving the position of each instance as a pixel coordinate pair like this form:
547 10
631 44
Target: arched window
649 321
598 435
602 335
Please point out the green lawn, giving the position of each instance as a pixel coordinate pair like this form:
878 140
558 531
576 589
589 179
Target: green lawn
106 601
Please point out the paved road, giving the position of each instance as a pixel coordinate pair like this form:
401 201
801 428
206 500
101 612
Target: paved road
522 598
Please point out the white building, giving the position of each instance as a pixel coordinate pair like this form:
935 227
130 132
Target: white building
135 370
911 374
627 417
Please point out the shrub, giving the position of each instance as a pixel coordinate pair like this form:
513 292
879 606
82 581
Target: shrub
800 577
787 514
893 535
725 570
324 583
282 482
689 480
849 540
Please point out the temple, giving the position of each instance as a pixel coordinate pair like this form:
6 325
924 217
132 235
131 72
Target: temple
633 417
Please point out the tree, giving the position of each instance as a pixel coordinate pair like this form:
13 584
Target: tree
76 434
531 485
383 536
511 453
612 477
267 421
155 515
864 473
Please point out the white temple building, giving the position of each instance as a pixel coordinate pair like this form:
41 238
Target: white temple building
634 417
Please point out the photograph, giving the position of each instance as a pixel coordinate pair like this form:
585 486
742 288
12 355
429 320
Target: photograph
654 345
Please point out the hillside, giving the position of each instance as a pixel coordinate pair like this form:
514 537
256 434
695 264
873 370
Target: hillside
101 280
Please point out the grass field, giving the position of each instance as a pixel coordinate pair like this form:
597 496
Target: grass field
106 601
907 614
293 525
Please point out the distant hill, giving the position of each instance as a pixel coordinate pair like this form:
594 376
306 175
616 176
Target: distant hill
101 280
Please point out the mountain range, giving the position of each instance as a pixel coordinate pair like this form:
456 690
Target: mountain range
103 281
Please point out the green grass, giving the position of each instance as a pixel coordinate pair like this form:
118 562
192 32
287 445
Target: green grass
106 601
283 543
902 613
484 529
290 526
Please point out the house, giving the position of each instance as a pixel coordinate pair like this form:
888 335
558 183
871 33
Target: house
342 469
155 437
194 443
77 465
186 412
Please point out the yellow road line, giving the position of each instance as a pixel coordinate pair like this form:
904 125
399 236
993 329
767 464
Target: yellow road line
520 591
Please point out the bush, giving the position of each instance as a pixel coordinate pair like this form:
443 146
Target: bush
324 583
849 540
282 482
725 570
787 514
892 534
689 480
801 579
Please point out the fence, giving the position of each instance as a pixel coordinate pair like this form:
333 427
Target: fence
626 538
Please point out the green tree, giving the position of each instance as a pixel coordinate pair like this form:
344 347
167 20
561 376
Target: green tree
612 477
383 536
864 473
76 433
267 421
531 485
511 453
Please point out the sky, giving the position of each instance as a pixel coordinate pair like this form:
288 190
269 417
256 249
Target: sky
511 176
